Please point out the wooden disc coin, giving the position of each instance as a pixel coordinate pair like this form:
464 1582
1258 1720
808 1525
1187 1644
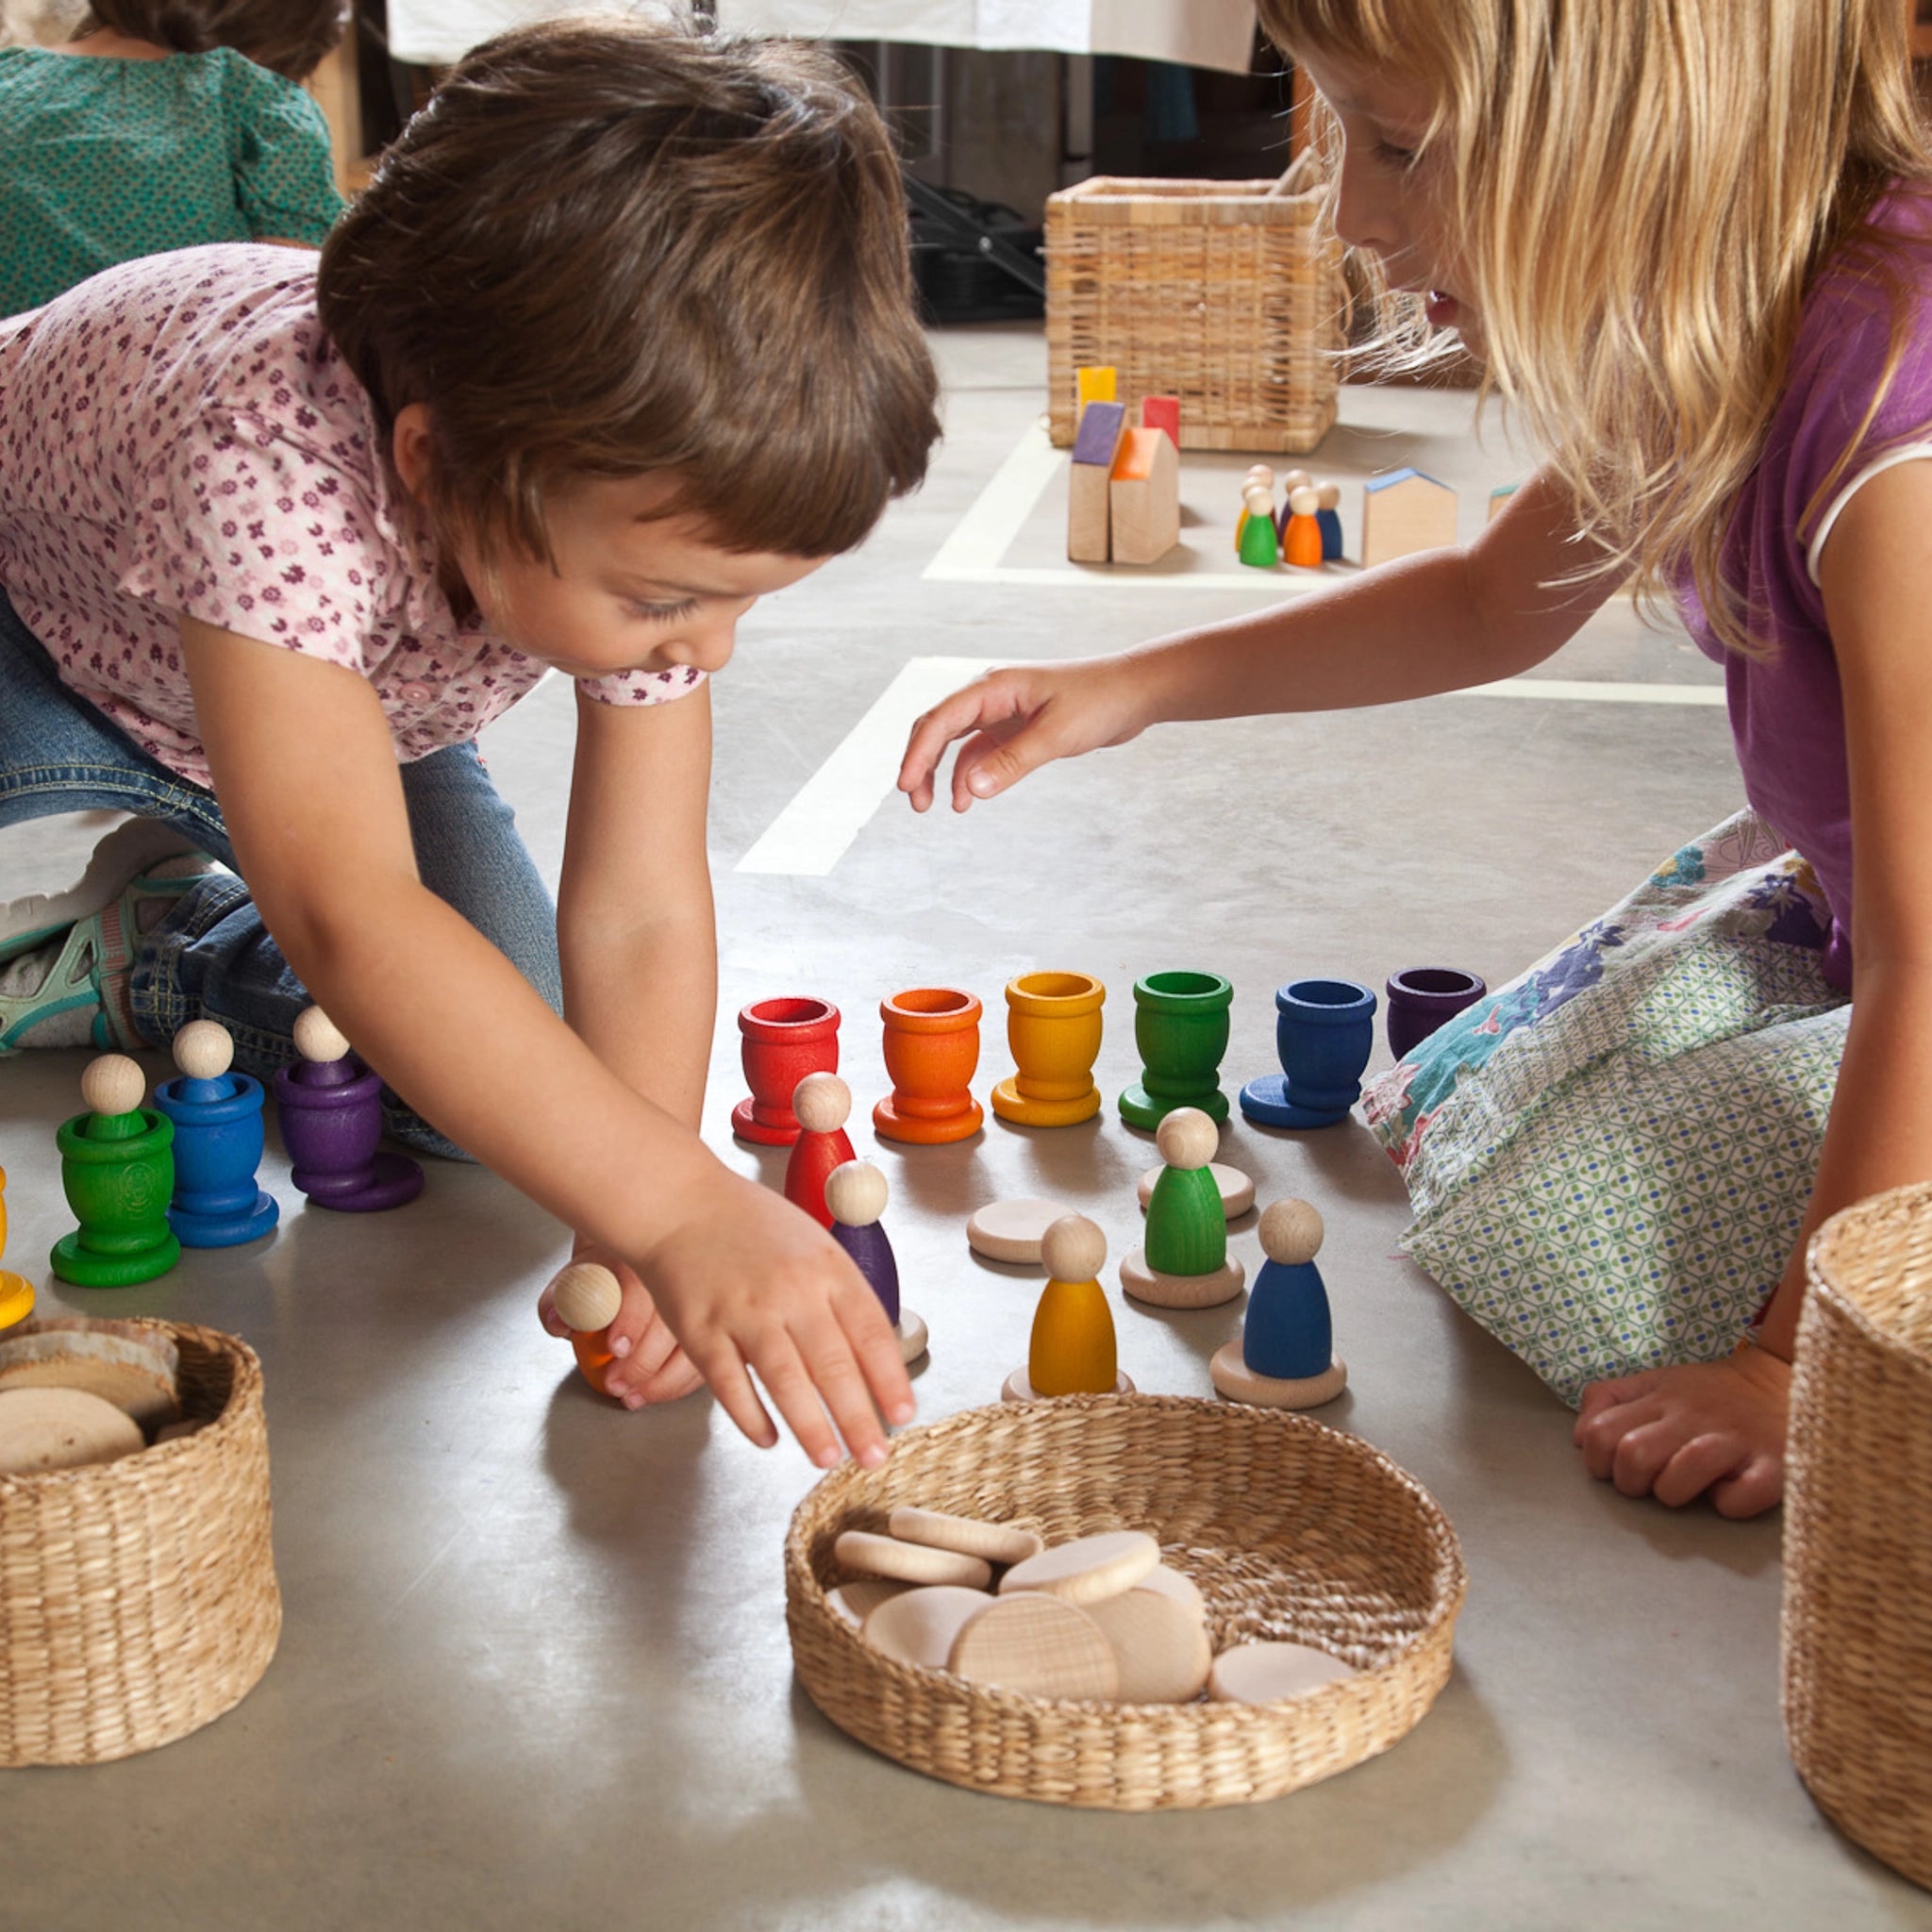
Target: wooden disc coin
912 1336
1160 1648
1037 1645
1237 1190
1011 1230
43 1429
872 1555
1179 1585
856 1602
1147 1284
1232 1375
1019 1386
1271 1672
1087 1569
919 1626
998 1542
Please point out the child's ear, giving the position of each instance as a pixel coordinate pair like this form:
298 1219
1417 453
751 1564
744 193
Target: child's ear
409 446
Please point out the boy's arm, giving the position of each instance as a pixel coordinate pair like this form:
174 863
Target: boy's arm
635 924
1432 622
638 938
1678 1431
307 776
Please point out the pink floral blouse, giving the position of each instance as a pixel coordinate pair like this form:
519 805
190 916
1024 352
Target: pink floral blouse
179 435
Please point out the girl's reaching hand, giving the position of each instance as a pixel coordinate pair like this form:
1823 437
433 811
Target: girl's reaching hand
1676 1433
1018 718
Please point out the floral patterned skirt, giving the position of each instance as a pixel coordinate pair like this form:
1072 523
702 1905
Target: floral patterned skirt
1610 1158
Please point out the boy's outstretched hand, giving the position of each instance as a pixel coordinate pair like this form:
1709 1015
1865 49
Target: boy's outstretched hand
1676 1433
745 1281
650 1365
1021 717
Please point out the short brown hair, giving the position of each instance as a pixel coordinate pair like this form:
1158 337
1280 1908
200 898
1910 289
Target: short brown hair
607 248
289 36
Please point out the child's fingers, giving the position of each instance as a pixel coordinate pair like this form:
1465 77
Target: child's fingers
854 1364
1756 1488
793 1388
722 1366
1600 1435
1602 1395
1705 1460
952 717
883 1367
676 1376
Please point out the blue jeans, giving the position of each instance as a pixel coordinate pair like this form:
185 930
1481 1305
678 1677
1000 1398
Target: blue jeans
209 956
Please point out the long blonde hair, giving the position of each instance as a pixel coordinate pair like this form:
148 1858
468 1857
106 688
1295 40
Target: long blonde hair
1641 192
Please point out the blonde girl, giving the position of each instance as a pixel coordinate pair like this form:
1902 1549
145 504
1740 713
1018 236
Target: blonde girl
1690 243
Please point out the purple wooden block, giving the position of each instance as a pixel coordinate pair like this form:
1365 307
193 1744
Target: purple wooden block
1099 433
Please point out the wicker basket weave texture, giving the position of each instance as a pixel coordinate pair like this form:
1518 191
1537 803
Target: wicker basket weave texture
1227 294
138 1598
1291 1529
1857 1610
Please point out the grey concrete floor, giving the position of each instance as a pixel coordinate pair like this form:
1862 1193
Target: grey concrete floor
534 1669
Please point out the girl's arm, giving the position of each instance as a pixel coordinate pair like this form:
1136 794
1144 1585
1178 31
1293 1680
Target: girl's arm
1433 623
1721 1426
307 776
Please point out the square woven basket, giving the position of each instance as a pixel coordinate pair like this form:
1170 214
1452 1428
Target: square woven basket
138 1598
1858 1608
1291 1529
1228 294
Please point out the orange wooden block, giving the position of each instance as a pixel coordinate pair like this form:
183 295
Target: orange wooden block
1145 497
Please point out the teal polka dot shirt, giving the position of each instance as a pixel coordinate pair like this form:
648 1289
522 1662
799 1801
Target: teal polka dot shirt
102 161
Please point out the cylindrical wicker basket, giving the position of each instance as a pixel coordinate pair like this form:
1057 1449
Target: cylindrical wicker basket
138 1598
1228 294
1858 1611
1291 1529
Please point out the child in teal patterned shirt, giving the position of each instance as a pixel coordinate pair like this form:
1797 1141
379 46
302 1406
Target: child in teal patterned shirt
163 125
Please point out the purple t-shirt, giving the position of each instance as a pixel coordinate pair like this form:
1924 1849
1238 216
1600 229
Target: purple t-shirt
1787 710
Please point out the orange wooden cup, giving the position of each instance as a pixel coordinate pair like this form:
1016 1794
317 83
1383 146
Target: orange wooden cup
932 1047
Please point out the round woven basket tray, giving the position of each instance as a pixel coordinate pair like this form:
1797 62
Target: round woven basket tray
1858 1611
1291 1529
138 1598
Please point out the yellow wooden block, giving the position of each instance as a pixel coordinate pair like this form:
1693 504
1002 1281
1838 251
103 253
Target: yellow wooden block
1092 385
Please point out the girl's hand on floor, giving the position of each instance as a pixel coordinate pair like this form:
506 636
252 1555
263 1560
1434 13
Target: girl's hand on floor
747 1281
1678 1433
650 1366
1015 720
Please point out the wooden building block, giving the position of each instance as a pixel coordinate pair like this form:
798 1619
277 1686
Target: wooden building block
1095 445
1403 512
1094 384
1145 497
1162 413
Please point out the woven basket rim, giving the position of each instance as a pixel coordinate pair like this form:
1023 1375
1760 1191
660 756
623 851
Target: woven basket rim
209 1437
1449 1579
1165 192
1843 1299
